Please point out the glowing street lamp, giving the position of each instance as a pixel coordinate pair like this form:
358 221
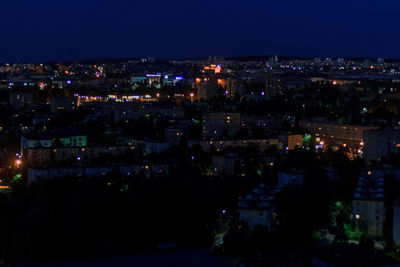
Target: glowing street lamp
357 218
18 162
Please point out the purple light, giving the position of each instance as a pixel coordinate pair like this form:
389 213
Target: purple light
262 93
192 158
223 211
79 158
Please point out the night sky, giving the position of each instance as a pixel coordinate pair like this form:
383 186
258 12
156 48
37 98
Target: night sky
42 30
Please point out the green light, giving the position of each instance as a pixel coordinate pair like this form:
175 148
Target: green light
307 139
17 177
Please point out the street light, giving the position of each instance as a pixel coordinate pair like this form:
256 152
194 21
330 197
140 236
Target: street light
18 162
357 218
221 219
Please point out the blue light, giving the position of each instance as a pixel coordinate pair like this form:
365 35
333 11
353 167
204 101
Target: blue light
178 78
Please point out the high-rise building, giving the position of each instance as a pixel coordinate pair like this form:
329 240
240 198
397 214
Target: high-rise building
206 88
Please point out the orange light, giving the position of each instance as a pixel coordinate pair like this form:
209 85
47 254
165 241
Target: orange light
18 162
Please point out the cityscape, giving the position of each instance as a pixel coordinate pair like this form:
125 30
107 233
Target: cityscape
238 159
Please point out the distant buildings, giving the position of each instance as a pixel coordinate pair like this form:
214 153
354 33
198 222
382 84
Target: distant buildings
20 100
59 138
146 168
351 135
174 136
206 88
292 178
368 204
230 164
42 156
258 208
380 143
396 222
216 125
292 141
221 144
67 104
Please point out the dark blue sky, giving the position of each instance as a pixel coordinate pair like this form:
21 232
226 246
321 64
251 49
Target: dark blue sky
79 29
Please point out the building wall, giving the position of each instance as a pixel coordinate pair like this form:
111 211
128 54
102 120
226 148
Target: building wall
19 100
206 88
396 223
294 141
256 217
349 134
215 124
220 145
380 143
290 179
63 104
77 141
226 165
372 213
